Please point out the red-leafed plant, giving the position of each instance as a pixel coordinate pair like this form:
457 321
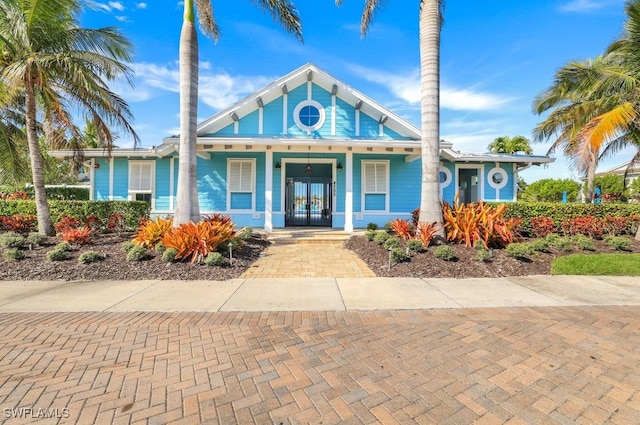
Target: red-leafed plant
19 223
402 228
19 195
67 222
196 240
116 223
217 218
77 236
586 225
425 232
542 226
615 225
93 222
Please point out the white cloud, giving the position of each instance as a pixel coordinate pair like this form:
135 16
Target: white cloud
407 87
218 90
141 5
588 5
116 5
122 19
99 6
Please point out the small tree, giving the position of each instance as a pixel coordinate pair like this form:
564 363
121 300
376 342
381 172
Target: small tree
550 190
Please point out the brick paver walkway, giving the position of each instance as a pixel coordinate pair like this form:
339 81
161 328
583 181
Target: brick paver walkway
494 366
328 259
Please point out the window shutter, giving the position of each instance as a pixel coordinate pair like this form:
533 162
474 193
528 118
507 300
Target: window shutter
140 176
375 177
240 176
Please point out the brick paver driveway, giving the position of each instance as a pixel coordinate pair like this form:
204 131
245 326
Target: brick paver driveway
493 366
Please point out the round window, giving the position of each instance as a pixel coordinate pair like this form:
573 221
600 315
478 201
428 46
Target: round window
498 178
309 115
445 176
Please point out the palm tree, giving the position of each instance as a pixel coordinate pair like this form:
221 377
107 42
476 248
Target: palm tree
431 20
187 207
52 63
510 145
14 167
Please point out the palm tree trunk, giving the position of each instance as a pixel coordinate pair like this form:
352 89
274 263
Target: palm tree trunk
187 207
430 26
591 178
45 226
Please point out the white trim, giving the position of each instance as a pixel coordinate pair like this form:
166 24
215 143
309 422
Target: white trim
111 177
348 201
333 114
268 192
357 124
260 120
386 194
321 119
515 182
380 130
497 186
236 127
285 107
309 90
448 180
253 184
172 189
92 179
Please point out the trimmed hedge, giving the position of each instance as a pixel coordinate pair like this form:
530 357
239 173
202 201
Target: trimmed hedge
133 211
560 212
59 193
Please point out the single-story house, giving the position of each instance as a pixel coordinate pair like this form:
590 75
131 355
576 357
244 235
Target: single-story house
306 150
632 172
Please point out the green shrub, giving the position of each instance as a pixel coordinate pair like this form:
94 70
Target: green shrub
391 243
381 236
415 245
137 253
559 212
618 243
372 226
540 245
59 193
169 255
159 248
445 252
12 254
127 245
132 211
482 255
36 239
519 250
399 255
63 246
57 254
584 243
11 240
90 257
370 234
559 243
214 259
244 234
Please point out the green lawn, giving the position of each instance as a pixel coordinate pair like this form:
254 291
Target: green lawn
598 265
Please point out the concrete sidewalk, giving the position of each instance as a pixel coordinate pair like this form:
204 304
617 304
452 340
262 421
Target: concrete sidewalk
316 294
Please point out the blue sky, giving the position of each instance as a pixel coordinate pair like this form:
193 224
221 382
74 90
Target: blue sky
496 56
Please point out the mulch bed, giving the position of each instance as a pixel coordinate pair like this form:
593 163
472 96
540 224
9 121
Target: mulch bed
115 266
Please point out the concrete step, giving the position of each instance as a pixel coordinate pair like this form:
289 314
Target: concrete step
309 236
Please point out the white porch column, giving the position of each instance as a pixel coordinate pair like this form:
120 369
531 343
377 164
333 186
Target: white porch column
111 177
268 192
348 202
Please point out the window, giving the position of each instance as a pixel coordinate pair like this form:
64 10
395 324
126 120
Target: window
309 115
375 177
241 184
141 180
445 176
375 185
497 178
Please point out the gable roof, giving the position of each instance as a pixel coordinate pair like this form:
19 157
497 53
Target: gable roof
296 78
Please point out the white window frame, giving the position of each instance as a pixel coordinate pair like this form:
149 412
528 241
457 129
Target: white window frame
151 191
386 167
252 190
321 119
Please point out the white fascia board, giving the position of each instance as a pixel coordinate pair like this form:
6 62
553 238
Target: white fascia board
241 142
103 153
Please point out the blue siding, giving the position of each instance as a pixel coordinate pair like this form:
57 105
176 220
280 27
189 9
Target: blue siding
101 180
345 119
272 116
405 197
226 131
506 193
296 96
449 192
120 179
369 127
248 125
163 185
241 201
212 187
